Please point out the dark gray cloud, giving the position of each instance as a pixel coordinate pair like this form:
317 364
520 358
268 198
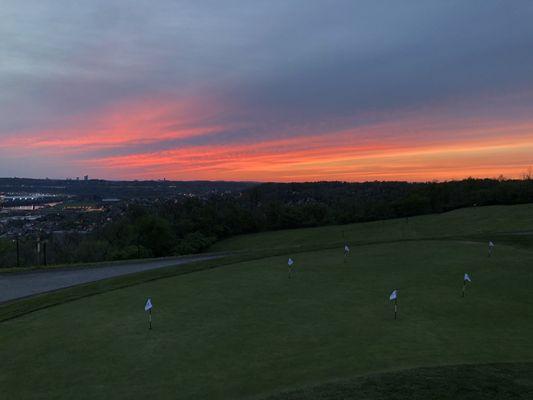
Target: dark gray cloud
432 55
282 64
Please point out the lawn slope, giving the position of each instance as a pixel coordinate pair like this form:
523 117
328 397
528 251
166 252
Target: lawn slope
477 223
246 331
473 382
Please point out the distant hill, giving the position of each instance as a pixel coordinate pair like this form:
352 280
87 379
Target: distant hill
97 188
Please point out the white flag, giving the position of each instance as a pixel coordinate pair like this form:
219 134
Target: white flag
148 305
290 262
467 278
346 249
393 295
491 244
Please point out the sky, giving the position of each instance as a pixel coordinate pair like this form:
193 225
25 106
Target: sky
289 90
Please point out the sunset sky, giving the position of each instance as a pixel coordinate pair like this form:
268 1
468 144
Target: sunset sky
266 90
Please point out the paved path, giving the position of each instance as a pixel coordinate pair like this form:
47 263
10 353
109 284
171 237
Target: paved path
24 284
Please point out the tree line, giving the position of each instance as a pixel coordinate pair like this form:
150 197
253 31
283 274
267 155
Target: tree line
177 226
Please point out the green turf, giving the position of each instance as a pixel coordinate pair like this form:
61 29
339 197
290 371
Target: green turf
464 382
245 330
474 222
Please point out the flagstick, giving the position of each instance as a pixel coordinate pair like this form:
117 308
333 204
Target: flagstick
150 318
395 308
464 288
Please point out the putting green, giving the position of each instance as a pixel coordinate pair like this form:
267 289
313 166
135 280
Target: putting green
246 330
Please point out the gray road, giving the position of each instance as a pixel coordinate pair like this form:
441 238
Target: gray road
24 284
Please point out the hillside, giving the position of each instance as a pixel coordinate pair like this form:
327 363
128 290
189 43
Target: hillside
477 222
245 330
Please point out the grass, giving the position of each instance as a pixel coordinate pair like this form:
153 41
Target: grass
467 222
499 381
16 308
246 331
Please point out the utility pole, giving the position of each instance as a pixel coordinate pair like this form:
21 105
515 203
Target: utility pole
18 251
40 247
16 241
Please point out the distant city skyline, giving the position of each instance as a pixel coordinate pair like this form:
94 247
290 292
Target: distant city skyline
266 91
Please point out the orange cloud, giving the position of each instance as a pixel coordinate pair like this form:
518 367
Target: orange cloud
317 158
416 147
140 121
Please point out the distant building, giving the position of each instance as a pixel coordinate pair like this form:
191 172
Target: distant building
86 178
